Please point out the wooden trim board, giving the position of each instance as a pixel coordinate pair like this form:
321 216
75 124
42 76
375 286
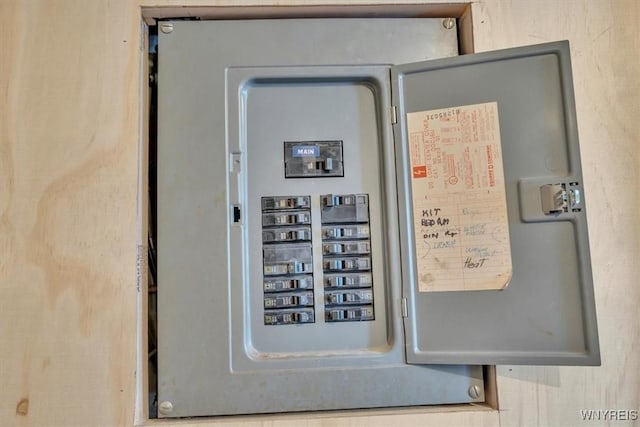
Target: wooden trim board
298 418
141 409
433 10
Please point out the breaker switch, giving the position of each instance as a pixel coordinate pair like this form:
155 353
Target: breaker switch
344 208
288 268
349 314
338 264
349 297
283 234
351 280
288 300
288 317
297 202
345 232
285 218
276 285
346 248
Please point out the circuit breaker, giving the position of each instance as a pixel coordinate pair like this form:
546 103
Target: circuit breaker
288 256
356 224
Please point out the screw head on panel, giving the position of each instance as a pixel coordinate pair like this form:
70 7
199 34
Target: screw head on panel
166 27
474 391
448 23
165 407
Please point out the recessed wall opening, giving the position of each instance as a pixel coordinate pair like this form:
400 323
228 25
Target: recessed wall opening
381 340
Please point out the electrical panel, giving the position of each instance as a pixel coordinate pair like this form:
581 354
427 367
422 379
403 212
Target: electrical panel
362 235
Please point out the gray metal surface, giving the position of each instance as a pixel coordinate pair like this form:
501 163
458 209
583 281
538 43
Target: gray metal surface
215 356
547 313
280 104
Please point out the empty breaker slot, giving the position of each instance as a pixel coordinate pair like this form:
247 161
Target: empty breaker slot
287 260
346 261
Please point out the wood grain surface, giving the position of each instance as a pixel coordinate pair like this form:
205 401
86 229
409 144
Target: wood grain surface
70 96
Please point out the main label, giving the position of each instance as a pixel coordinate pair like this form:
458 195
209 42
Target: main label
306 151
459 201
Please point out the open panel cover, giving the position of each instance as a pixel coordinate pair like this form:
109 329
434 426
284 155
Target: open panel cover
464 125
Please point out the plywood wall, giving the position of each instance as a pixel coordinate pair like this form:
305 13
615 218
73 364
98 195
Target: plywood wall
68 173
69 129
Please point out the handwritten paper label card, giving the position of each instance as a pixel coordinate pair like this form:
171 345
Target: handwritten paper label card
459 202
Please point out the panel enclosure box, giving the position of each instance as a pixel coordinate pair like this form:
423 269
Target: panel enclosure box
285 230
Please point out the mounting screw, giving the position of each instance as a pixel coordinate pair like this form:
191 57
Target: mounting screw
448 23
165 407
474 391
166 27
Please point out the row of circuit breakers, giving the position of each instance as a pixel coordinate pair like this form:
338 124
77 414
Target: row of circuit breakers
288 281
288 259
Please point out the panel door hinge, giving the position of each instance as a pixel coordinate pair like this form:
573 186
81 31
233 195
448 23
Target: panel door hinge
405 310
394 115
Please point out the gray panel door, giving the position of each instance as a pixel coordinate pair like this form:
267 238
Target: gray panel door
546 315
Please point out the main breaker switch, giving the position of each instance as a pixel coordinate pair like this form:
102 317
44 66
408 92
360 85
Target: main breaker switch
313 159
